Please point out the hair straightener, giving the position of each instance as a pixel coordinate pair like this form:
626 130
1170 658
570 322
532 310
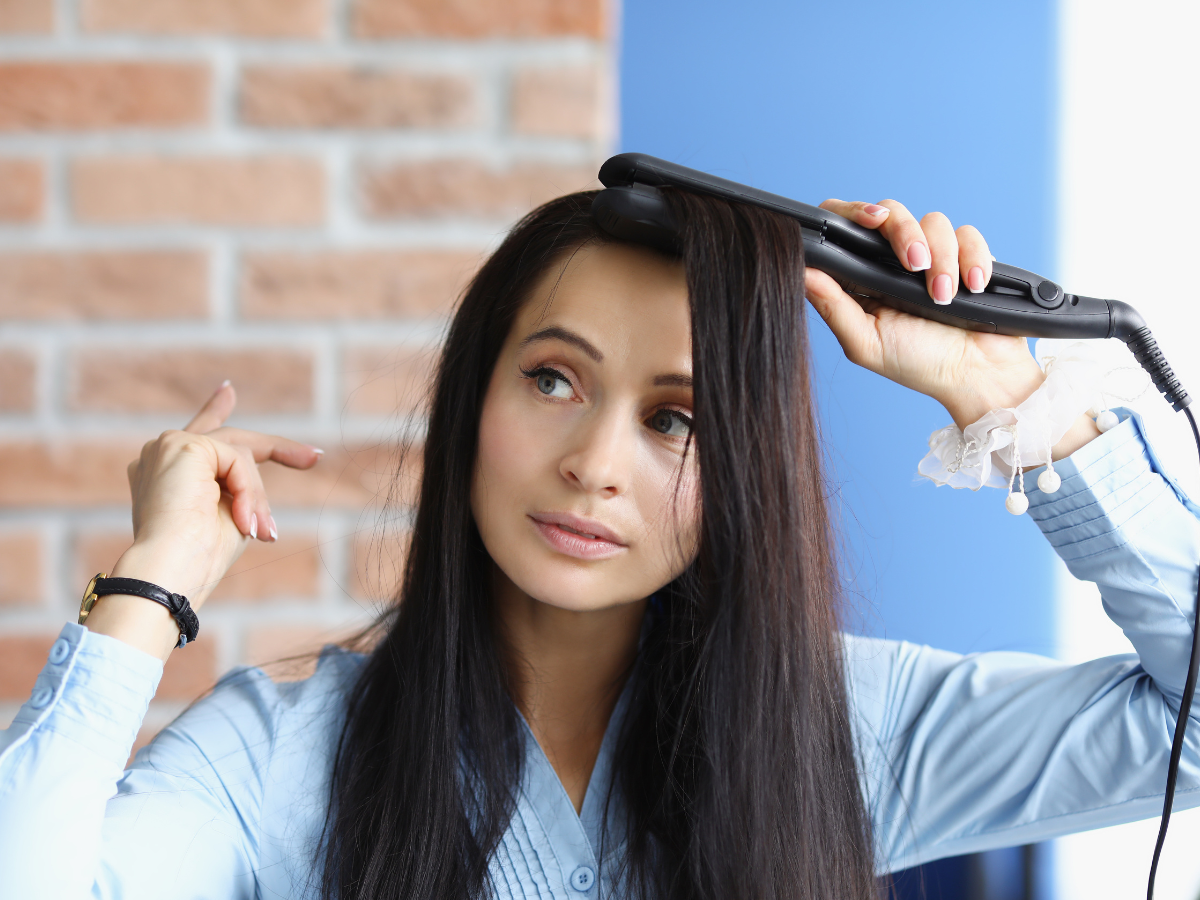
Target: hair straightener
1015 302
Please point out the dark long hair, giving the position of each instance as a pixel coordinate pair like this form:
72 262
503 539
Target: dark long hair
735 764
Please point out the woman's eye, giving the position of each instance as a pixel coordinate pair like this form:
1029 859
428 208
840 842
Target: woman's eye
553 384
671 422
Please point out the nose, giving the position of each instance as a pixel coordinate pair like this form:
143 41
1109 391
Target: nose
601 460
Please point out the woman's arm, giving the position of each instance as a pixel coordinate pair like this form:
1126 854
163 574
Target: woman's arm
71 825
966 753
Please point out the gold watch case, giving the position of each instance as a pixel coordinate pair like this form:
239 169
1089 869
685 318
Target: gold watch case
89 598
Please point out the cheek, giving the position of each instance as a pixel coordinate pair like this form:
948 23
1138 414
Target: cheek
670 506
513 457
499 459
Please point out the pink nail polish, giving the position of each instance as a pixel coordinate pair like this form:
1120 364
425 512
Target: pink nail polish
274 530
918 256
253 525
943 289
975 282
874 209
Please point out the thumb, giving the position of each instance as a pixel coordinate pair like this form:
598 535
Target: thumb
854 327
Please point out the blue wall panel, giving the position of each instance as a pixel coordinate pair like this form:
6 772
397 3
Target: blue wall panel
941 105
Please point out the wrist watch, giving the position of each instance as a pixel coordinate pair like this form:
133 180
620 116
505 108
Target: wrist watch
177 604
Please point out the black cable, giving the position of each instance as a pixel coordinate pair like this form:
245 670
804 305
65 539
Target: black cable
1185 708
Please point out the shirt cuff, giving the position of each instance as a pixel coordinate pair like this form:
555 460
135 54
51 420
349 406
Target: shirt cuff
94 690
1105 484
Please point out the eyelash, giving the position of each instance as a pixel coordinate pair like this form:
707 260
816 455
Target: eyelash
533 373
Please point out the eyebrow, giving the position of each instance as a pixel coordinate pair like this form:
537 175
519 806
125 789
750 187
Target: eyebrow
675 379
558 333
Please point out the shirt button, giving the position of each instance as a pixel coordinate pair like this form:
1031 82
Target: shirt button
60 651
583 878
42 696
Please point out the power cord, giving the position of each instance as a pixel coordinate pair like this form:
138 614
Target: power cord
1185 708
1145 350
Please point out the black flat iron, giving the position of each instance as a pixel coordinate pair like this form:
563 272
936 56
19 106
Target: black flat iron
1015 301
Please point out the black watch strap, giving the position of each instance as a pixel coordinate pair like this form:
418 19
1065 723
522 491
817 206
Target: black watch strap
181 610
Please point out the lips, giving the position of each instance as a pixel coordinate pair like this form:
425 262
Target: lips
576 536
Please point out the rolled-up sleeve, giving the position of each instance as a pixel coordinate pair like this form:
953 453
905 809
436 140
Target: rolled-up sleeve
967 753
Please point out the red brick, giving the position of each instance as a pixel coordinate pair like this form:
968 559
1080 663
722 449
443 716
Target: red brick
572 101
18 381
354 97
20 569
289 652
74 473
475 19
26 16
358 284
289 568
96 552
387 380
190 671
463 187
119 284
131 379
246 191
82 96
344 479
21 659
22 189
377 566
243 18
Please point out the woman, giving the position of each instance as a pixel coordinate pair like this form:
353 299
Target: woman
614 669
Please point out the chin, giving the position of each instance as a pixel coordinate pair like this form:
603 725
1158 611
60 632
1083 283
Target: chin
567 584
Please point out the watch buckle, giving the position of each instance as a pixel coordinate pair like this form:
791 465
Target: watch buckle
89 597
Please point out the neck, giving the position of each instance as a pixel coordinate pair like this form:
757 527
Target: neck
566 671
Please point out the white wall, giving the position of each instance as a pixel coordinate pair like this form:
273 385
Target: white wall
1129 228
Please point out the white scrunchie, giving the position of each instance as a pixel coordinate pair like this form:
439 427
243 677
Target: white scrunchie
995 450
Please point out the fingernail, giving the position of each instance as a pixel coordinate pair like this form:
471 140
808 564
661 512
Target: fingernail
975 282
253 525
874 209
318 451
918 257
274 530
943 289
220 387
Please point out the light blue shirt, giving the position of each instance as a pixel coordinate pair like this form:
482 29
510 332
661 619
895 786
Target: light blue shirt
958 753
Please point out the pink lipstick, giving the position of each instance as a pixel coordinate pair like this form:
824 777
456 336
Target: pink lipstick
577 537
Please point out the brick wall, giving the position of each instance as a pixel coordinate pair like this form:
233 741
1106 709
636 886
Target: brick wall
286 193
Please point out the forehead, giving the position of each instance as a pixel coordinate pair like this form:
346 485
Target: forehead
630 302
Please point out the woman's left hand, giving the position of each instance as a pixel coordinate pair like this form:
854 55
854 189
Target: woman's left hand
968 372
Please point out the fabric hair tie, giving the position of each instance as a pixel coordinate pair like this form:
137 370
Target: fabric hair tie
996 450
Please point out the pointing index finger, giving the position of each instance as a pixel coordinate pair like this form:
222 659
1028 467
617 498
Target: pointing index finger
263 447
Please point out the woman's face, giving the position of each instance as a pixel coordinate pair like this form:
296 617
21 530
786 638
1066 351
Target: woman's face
582 492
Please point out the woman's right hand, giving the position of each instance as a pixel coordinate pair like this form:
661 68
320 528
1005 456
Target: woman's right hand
198 500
